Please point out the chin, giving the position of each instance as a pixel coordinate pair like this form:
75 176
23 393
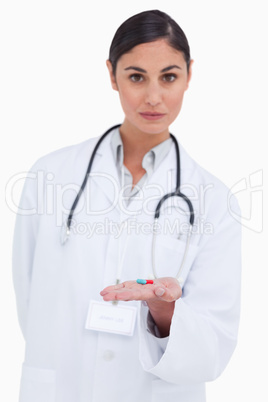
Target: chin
153 128
147 127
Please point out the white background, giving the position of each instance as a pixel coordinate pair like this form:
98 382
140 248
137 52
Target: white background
55 91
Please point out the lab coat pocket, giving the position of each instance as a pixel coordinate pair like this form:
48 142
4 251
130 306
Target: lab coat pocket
164 391
37 385
169 255
161 390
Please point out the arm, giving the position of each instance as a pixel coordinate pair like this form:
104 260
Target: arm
162 313
159 296
204 324
25 233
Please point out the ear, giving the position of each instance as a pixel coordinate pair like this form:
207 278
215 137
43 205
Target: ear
112 77
189 73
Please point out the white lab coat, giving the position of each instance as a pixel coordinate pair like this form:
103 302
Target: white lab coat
64 362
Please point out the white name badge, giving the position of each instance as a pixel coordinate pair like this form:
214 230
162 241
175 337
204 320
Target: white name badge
107 317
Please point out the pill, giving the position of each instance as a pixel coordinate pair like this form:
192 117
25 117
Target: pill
145 281
141 281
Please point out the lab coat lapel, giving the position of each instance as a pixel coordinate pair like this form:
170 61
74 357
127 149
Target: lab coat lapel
165 174
105 175
162 181
104 172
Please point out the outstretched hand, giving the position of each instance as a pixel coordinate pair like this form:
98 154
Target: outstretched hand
165 289
160 297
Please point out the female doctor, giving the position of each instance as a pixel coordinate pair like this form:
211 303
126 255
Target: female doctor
126 259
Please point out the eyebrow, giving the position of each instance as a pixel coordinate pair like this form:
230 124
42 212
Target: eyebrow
141 70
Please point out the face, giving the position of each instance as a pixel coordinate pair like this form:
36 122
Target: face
151 80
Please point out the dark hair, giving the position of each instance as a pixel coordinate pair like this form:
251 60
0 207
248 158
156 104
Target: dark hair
145 27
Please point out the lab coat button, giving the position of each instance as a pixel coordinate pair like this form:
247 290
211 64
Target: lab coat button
108 355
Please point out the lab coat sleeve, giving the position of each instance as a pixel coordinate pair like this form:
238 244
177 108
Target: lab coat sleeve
204 326
25 233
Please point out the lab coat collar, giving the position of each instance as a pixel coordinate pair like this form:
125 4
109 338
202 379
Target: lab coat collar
161 182
105 175
104 172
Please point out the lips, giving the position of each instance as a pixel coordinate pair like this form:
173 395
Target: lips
152 115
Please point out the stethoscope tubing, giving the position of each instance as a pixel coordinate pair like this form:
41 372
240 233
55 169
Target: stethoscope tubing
176 193
163 199
83 185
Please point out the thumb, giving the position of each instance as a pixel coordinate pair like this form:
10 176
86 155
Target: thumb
159 292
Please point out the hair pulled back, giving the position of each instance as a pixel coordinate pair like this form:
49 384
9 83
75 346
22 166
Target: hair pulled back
145 27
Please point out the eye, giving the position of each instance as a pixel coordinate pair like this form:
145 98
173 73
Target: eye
136 78
169 77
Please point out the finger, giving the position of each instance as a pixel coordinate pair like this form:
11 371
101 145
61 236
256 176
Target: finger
129 294
159 292
111 288
168 294
117 287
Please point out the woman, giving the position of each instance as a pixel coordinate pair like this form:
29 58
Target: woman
78 347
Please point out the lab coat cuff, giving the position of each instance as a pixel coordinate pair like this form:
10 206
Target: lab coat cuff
153 350
149 337
152 327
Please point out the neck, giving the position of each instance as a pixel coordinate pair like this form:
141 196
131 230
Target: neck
137 143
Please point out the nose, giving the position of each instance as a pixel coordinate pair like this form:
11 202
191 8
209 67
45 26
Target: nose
153 94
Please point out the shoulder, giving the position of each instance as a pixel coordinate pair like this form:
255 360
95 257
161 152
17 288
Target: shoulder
209 189
66 156
72 157
64 165
193 170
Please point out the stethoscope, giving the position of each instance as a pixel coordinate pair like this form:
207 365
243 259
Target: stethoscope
176 193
